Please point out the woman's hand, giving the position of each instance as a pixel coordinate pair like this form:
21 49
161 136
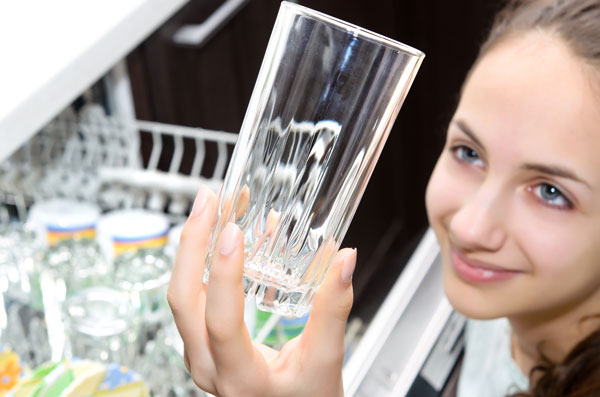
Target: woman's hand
219 352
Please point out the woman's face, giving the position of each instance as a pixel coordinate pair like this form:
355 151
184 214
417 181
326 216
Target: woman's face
515 196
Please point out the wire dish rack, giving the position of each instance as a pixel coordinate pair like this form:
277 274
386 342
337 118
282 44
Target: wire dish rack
115 163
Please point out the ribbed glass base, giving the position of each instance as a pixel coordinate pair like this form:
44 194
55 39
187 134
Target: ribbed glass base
275 299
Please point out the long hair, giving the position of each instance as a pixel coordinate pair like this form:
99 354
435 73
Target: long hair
577 375
577 23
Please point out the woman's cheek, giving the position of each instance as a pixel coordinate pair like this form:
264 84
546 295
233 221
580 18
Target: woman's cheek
551 244
442 197
551 256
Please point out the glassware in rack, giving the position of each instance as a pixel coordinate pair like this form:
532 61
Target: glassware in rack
101 325
143 275
171 378
22 322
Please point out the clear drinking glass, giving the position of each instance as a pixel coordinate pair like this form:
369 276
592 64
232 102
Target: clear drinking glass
170 378
100 323
143 275
324 102
22 323
67 267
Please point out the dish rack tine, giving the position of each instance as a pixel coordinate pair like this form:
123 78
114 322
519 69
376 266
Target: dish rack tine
89 145
73 148
97 157
110 151
221 161
177 154
131 133
199 157
156 150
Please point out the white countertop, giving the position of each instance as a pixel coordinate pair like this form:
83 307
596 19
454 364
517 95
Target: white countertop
52 50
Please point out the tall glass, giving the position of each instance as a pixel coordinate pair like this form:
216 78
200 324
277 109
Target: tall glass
323 105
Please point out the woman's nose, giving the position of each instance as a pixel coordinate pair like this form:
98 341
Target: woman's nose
479 222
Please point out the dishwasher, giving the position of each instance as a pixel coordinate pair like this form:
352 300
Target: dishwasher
69 131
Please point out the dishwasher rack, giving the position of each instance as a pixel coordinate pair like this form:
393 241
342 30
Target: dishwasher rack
115 163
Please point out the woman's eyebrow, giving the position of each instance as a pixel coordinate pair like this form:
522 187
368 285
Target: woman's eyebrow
468 132
554 170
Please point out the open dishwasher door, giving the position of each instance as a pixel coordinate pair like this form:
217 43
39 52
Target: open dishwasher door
415 340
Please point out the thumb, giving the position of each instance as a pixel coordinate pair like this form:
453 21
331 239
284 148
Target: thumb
325 329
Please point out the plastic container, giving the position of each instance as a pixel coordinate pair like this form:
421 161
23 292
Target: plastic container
124 230
62 219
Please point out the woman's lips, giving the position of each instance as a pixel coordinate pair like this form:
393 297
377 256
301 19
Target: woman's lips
477 271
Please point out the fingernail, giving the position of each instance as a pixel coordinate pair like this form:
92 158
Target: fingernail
348 266
228 239
199 202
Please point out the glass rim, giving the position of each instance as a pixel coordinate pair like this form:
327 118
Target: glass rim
355 29
119 321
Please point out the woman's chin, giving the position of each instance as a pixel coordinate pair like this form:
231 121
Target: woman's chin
470 301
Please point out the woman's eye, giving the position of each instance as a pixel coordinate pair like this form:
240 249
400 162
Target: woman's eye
551 195
467 155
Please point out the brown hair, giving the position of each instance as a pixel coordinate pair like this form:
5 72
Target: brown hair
577 375
577 22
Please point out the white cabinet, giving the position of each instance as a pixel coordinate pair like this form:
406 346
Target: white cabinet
50 51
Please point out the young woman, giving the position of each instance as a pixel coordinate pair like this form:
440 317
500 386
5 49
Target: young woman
515 203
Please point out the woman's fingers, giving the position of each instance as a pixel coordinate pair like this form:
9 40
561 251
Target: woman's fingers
240 201
186 293
326 326
188 270
230 342
218 349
